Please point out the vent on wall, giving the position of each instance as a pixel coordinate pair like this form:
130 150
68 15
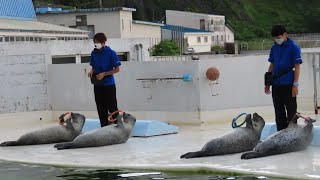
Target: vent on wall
81 20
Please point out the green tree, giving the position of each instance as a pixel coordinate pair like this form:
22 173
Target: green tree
165 48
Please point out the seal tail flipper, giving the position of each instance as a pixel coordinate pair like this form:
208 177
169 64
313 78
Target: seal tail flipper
10 143
61 146
192 155
251 155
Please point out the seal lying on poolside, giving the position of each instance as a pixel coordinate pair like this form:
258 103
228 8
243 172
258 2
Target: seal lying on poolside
294 138
52 134
107 135
240 140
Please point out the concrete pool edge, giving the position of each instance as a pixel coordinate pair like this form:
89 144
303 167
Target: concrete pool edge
193 168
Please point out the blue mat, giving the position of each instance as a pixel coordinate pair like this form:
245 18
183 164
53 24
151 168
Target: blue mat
142 128
271 128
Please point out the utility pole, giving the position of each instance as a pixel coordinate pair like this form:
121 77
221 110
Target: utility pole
100 4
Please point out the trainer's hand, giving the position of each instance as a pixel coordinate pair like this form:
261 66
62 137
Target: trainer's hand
295 90
90 73
267 90
100 76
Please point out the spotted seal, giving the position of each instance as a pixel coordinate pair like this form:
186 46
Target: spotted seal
294 138
240 140
107 135
53 134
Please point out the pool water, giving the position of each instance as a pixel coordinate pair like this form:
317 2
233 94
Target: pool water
17 171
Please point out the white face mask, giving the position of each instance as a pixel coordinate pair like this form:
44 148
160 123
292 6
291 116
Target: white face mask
279 41
98 45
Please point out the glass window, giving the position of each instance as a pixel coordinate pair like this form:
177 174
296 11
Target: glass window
85 59
206 39
199 39
63 60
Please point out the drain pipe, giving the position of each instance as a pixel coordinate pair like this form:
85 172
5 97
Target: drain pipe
137 51
141 46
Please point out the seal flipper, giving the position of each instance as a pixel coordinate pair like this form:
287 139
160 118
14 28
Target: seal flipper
193 155
61 146
10 143
251 155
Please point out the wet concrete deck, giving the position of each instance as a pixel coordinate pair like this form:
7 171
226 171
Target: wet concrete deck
162 153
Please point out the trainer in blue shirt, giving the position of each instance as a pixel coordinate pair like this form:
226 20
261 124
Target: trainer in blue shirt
105 63
285 56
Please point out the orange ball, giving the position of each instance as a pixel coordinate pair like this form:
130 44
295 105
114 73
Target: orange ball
212 73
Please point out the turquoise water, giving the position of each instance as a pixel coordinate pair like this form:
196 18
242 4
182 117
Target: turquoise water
17 171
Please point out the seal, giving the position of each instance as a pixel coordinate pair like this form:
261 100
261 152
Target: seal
294 138
107 135
53 134
240 140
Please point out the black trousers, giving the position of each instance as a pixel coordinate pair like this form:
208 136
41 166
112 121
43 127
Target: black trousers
106 101
285 105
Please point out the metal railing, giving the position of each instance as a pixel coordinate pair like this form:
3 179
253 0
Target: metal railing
316 69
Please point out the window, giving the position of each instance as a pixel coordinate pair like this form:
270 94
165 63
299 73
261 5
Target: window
22 38
199 39
221 37
31 38
1 39
206 39
6 39
122 25
12 39
123 56
212 38
63 60
130 23
211 21
85 59
27 38
81 20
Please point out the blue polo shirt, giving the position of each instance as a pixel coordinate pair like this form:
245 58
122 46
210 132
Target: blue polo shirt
284 57
103 61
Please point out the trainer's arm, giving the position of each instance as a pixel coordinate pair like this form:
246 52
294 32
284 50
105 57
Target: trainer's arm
270 69
296 72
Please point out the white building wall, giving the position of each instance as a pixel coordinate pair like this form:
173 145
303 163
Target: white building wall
219 38
106 22
147 31
192 20
176 95
166 34
126 25
229 35
214 23
202 46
